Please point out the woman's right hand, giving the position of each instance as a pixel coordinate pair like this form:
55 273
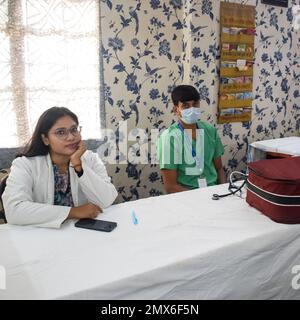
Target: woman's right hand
88 210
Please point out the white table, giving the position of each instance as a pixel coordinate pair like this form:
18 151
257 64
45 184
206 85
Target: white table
289 146
186 246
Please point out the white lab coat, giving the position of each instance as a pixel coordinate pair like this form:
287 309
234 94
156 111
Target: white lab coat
29 194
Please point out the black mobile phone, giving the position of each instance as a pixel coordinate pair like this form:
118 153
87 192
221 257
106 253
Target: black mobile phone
93 224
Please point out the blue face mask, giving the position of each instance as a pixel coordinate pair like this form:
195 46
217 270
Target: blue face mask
190 115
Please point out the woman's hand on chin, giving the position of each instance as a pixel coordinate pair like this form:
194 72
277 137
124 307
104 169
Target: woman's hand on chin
75 158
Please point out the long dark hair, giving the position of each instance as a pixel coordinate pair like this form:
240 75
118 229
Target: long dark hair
36 146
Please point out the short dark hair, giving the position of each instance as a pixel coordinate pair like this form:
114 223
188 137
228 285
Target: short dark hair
36 146
184 93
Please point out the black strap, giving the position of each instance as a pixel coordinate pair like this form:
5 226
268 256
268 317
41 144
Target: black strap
79 173
277 199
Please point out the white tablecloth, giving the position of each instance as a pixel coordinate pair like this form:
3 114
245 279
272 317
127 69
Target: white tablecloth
185 246
289 145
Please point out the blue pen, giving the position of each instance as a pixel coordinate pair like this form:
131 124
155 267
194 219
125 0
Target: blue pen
134 218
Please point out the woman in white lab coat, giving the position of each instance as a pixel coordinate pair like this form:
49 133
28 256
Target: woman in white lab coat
56 178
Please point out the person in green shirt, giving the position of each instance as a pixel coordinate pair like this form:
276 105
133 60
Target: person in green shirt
189 150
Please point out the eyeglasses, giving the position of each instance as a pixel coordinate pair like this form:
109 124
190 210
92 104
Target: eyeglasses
63 133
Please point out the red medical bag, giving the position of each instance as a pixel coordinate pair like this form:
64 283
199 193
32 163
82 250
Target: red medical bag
273 187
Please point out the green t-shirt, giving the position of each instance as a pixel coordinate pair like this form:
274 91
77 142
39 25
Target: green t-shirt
175 153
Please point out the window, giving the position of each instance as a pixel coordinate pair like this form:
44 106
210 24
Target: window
49 56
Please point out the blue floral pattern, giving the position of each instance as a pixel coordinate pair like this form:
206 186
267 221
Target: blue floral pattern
149 47
62 188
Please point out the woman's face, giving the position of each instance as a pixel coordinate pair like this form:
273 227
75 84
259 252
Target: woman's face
64 136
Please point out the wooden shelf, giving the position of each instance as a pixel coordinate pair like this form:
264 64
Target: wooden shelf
235 55
234 72
237 38
235 17
228 104
235 118
237 24
235 88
